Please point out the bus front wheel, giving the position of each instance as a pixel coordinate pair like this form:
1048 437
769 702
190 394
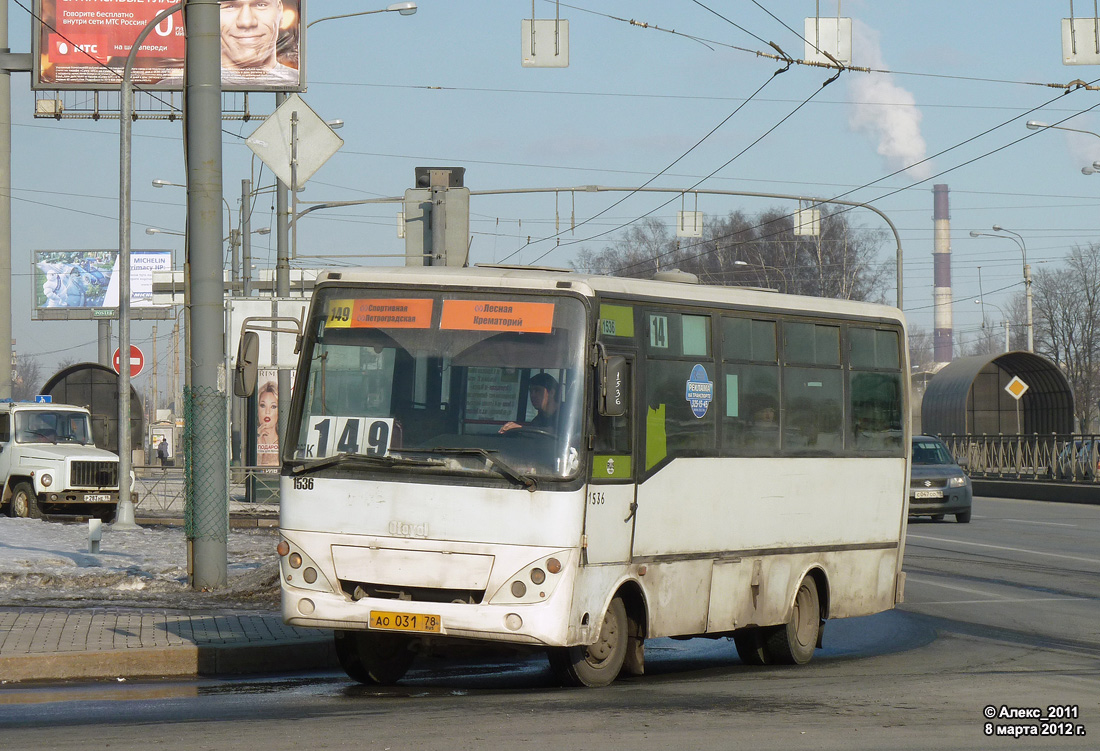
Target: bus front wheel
794 642
347 652
596 664
382 658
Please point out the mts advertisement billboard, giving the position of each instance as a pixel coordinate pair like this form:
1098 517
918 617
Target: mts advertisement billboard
83 45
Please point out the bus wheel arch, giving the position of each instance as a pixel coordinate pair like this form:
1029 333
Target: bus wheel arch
793 642
618 647
637 616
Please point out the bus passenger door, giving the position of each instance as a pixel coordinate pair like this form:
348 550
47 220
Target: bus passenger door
610 497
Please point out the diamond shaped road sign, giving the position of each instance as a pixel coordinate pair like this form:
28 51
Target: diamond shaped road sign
273 141
1016 388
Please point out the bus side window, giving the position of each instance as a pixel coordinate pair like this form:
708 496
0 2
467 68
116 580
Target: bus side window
5 427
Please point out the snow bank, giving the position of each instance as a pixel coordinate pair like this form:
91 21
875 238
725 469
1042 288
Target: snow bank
48 563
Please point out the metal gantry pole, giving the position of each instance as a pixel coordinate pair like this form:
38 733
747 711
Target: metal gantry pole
209 457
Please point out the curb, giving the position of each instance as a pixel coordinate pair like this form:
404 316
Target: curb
235 522
169 662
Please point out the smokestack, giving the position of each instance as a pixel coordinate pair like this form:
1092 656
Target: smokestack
941 295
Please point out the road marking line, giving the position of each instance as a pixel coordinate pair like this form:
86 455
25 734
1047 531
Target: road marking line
1077 558
1045 524
996 602
991 596
956 587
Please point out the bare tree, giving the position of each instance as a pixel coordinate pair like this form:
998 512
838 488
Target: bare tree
27 378
757 251
645 248
1066 306
920 349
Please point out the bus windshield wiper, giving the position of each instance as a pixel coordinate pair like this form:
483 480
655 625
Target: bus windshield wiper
362 459
492 461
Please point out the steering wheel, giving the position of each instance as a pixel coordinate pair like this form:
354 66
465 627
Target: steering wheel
529 432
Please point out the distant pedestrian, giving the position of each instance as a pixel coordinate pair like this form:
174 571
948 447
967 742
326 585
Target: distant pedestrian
162 453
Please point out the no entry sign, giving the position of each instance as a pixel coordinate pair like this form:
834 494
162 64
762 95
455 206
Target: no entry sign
137 360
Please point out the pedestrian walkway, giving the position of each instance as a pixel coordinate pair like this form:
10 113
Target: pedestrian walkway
67 644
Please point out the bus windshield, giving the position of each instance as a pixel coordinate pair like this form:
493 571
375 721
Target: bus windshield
470 383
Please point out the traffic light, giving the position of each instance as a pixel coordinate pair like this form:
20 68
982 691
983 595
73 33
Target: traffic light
439 198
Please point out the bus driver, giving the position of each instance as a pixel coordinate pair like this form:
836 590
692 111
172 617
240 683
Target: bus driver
544 394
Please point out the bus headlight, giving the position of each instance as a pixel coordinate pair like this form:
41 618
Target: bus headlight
298 570
532 583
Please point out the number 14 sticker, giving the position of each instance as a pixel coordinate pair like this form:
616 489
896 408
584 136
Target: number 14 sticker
350 435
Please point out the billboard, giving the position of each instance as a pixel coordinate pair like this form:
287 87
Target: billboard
81 279
83 45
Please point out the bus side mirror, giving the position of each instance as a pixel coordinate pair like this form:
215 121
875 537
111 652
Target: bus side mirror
613 395
245 371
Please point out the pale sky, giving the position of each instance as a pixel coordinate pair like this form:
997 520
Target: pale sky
445 87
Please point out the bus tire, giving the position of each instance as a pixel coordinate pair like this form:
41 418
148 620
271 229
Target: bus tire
385 658
24 502
596 664
750 646
347 652
794 642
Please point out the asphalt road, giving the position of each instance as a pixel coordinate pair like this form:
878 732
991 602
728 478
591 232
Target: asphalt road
1001 616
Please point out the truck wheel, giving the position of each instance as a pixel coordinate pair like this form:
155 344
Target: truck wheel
24 502
106 513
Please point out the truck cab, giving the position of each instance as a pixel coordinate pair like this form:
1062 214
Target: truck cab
50 465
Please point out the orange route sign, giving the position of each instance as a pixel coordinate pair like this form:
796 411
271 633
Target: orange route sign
380 313
497 315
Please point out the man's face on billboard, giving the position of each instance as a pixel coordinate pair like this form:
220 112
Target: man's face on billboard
249 29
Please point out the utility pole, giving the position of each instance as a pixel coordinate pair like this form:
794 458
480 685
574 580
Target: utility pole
246 238
105 353
155 384
9 64
282 286
208 458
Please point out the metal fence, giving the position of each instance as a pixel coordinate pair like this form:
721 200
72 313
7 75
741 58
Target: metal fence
1055 458
161 489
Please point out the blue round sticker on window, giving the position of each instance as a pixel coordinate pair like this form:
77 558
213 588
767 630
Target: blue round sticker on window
700 391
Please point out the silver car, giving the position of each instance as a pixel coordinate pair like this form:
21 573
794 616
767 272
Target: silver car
938 485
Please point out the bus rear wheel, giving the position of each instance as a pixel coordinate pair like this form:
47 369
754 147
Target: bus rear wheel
596 664
383 658
750 646
794 642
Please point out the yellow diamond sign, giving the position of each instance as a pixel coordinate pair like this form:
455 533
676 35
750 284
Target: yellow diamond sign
1016 388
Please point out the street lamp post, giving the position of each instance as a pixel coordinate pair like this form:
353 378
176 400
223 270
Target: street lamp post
125 515
284 216
1017 238
1004 319
404 8
766 268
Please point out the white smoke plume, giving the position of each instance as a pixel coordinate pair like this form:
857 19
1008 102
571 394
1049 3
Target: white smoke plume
883 110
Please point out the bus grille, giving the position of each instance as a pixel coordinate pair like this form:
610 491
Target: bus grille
94 475
359 590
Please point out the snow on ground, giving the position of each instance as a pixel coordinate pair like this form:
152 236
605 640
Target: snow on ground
49 563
